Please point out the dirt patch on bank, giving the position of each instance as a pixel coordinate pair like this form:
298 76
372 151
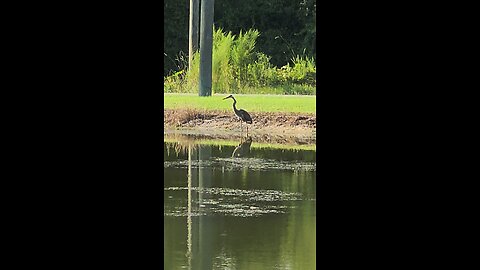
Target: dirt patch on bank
267 126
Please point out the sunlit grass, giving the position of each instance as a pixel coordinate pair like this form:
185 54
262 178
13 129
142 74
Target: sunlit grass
251 103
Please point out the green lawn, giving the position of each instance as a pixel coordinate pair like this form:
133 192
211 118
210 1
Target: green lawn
250 103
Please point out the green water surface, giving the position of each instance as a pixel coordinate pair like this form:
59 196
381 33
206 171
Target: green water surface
238 207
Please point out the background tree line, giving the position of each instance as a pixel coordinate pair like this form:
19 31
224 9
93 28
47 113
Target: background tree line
287 28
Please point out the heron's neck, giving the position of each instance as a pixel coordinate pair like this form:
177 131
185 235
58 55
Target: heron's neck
234 102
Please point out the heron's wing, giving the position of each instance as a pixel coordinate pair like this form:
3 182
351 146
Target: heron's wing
245 115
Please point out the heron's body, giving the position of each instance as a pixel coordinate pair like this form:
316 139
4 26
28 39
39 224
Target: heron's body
242 114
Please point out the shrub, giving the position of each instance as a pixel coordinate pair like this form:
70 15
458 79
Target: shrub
238 68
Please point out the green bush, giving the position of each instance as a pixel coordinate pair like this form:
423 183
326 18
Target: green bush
238 68
222 74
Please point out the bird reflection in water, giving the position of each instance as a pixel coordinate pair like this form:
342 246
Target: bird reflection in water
243 149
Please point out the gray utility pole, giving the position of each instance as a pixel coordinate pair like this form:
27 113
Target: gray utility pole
206 45
193 30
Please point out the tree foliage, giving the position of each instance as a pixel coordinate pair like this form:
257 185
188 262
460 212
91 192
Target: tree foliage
287 27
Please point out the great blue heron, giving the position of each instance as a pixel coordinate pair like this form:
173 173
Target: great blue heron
242 114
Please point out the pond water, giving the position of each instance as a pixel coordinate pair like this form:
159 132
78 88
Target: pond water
238 206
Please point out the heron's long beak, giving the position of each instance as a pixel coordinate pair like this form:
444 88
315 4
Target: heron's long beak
226 98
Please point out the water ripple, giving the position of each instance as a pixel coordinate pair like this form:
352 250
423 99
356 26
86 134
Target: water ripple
255 164
232 202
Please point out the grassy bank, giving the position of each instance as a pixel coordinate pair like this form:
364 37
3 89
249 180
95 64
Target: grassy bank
251 103
255 145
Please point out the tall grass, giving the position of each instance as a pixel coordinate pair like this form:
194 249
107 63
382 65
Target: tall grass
223 76
242 55
238 68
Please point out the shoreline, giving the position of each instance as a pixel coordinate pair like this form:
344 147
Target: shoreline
269 127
